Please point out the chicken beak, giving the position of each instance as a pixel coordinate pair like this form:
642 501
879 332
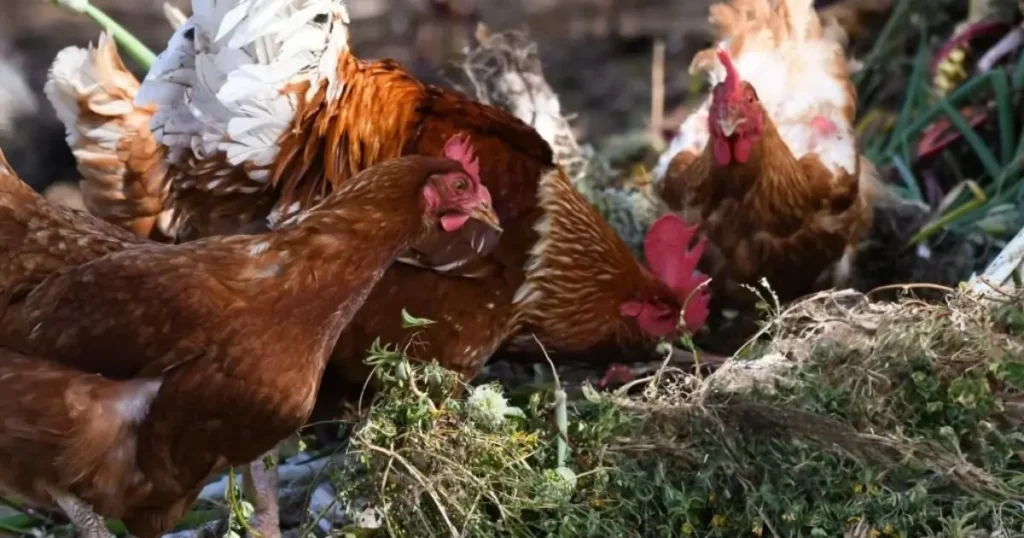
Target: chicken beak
729 123
484 213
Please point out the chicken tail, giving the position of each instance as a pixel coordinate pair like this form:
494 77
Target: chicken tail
234 75
123 166
760 25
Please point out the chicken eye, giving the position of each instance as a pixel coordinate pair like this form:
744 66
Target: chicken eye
460 185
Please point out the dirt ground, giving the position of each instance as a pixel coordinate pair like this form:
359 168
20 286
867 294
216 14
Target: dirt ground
597 54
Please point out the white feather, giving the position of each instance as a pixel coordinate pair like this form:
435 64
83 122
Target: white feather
220 85
70 76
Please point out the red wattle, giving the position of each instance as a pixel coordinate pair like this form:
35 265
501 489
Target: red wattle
723 154
450 223
741 150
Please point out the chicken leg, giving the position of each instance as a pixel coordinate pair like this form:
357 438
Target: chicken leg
260 483
88 523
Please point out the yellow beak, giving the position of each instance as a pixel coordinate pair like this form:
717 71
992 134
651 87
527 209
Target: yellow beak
484 213
729 123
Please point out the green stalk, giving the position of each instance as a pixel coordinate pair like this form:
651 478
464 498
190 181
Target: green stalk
933 227
914 90
562 421
985 155
900 11
1005 110
125 40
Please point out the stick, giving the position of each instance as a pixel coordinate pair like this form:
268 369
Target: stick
658 94
139 52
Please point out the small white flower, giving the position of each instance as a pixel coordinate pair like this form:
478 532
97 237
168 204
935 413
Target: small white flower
487 406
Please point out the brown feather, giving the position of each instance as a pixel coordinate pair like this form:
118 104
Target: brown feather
774 217
39 237
68 431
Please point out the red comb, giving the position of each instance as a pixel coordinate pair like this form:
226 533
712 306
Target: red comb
732 76
459 148
668 254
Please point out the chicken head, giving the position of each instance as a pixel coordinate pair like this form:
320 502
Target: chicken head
668 254
457 196
736 117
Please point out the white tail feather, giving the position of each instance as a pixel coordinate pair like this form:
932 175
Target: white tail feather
76 80
69 77
220 87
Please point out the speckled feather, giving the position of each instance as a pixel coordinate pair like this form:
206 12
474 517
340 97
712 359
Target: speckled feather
38 237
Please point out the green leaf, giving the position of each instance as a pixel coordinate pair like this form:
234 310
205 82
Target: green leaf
412 322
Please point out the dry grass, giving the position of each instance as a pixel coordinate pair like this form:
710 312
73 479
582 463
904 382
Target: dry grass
856 417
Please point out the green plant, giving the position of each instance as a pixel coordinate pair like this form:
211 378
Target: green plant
988 192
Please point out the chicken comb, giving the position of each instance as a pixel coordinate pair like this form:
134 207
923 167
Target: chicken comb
668 254
459 148
732 76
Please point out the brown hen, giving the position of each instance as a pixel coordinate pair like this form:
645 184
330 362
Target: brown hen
216 347
768 167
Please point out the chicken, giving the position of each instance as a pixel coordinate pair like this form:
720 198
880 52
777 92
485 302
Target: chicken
768 166
207 353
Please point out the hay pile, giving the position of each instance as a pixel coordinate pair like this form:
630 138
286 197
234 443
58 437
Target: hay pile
855 418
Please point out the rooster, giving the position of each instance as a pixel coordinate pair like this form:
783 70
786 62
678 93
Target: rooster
207 353
768 166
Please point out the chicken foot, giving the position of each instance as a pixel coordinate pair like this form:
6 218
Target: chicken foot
260 486
87 522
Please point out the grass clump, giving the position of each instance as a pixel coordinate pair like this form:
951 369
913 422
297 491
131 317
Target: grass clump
859 419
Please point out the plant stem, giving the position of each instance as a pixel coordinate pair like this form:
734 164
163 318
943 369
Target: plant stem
139 52
933 227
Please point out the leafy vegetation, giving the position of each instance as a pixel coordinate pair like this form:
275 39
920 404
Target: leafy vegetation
973 180
889 420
